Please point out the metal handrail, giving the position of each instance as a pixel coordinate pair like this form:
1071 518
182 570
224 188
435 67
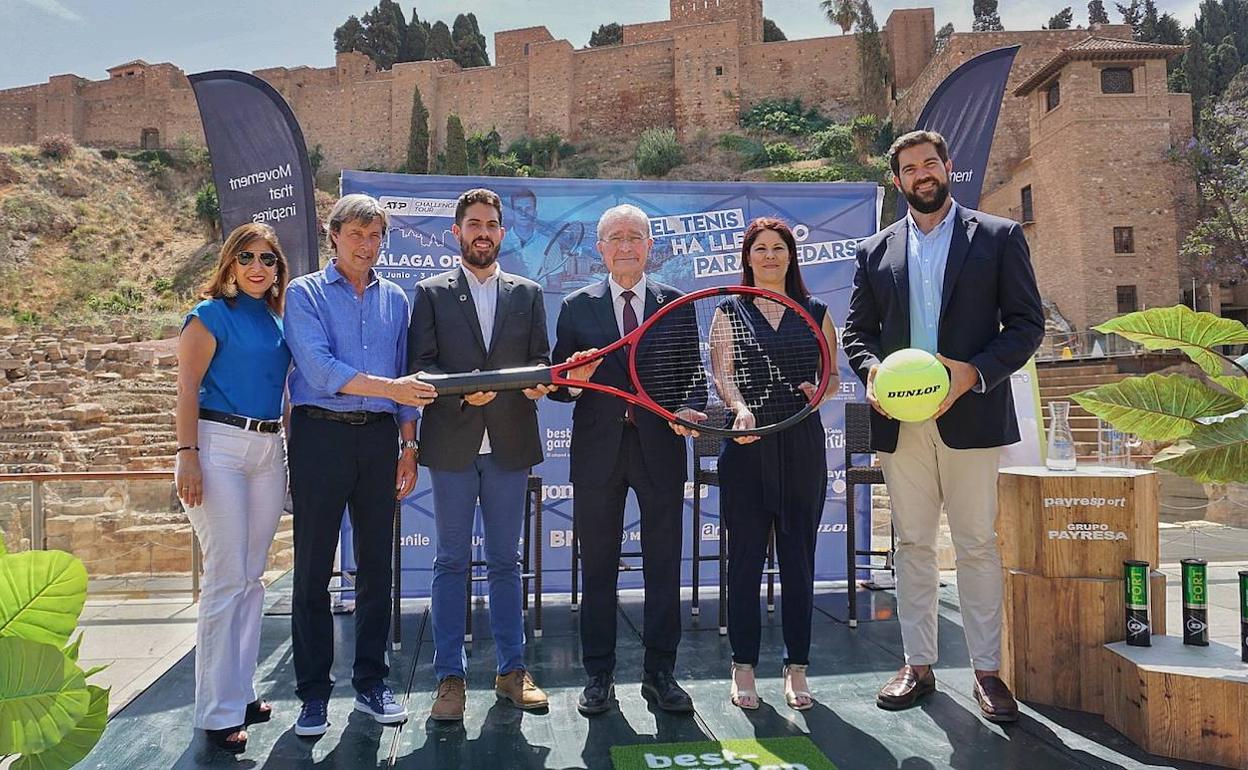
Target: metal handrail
1086 344
38 523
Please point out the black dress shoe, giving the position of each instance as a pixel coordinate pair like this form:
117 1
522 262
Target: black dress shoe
661 687
258 711
597 695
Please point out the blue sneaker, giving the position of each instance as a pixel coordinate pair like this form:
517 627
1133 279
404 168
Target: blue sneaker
313 718
379 702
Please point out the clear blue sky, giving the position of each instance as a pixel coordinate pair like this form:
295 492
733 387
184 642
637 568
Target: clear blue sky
40 38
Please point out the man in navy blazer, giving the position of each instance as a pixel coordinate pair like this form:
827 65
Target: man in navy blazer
616 447
959 284
480 447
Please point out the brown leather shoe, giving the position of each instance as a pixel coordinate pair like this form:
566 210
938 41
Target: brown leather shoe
905 689
996 702
448 701
518 687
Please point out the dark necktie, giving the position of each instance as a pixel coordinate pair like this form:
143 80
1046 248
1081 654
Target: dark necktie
630 324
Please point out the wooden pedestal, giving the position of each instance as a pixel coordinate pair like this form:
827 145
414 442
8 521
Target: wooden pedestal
1055 632
1081 523
1180 701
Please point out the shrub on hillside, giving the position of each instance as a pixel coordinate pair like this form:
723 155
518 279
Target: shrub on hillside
56 146
126 298
876 170
658 152
835 142
504 165
208 207
752 152
781 152
784 116
108 154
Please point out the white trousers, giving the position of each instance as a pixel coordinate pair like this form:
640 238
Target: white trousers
244 491
920 475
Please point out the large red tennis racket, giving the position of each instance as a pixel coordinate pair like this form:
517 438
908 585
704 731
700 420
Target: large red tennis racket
717 351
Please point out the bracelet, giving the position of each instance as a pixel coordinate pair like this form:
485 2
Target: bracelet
184 448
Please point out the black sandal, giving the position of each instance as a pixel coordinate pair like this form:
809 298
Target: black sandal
258 711
221 739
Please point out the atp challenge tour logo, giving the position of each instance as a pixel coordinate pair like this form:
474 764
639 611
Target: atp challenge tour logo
712 241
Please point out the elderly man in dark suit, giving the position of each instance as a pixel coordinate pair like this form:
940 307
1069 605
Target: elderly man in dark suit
617 447
957 283
480 447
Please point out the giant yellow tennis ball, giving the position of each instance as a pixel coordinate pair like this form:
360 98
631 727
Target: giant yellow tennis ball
910 384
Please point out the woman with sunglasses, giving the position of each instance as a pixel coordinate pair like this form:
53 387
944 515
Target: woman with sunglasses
230 468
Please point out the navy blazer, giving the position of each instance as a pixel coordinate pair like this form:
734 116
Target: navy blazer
445 337
990 316
587 320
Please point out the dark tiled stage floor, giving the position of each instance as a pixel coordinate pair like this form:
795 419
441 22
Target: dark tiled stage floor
848 666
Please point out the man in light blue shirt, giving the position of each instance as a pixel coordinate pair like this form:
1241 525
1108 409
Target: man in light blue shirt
347 332
957 283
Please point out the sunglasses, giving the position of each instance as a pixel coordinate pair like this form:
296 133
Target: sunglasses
267 258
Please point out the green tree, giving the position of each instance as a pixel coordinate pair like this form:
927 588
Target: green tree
456 146
468 44
873 66
441 46
606 34
1226 62
842 13
1169 31
986 17
350 36
942 37
482 147
1132 15
381 35
416 42
1217 158
1097 13
772 32
418 137
1196 71
1061 20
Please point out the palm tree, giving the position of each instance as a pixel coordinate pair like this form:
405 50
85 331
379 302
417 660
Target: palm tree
843 13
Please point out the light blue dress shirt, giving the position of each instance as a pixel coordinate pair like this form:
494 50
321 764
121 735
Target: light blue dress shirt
926 257
334 334
927 254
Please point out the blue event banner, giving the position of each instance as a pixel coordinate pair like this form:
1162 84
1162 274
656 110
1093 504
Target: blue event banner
551 238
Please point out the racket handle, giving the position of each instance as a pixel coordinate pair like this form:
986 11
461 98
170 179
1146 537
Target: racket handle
476 382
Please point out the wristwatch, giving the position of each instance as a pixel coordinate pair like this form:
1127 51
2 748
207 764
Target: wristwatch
412 444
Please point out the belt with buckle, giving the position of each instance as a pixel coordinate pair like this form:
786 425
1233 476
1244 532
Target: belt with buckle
239 421
348 418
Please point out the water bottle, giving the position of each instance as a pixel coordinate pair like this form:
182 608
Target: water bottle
1061 454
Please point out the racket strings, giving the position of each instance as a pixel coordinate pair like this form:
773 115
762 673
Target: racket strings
718 354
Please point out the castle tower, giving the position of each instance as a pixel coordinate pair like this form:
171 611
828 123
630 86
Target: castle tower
1100 207
747 13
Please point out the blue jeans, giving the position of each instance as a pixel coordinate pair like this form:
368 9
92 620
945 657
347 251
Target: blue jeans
455 496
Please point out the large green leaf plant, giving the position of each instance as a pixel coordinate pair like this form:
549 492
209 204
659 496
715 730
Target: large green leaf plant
49 716
1206 418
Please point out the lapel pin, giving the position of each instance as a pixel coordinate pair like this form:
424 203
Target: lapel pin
463 297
